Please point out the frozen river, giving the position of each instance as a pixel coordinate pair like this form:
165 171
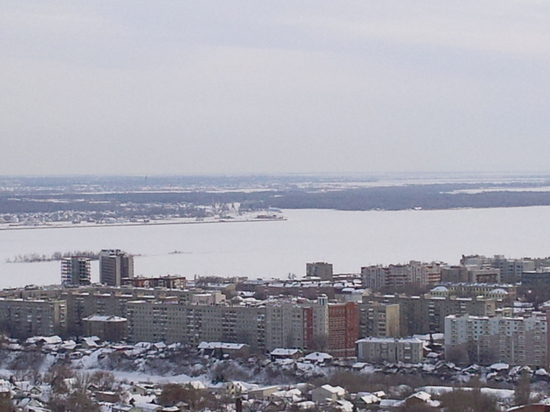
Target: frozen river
349 240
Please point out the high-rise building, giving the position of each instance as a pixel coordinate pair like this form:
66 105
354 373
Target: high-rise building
23 318
75 270
321 270
343 328
378 319
115 266
487 340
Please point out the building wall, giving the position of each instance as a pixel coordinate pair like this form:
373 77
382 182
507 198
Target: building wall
540 277
485 340
297 325
409 350
426 314
111 328
192 324
423 274
22 318
343 328
115 267
75 271
379 320
321 270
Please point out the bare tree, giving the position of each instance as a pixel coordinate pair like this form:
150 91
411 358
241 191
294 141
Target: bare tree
104 381
319 343
522 391
473 400
56 376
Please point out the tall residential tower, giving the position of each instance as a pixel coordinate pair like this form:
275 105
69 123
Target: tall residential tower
75 270
114 266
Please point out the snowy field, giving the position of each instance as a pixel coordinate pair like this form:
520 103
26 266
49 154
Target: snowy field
349 240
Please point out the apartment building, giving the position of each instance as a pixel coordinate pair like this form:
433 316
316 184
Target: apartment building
154 321
298 323
376 350
512 269
321 270
106 301
109 328
534 278
379 319
426 314
509 270
483 274
343 328
302 324
464 289
169 282
486 340
290 325
115 267
378 277
23 318
75 271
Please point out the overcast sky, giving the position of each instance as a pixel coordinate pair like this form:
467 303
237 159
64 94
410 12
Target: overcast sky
143 87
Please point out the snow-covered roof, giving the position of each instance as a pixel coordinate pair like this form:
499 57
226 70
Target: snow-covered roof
221 345
434 336
318 357
423 396
102 318
284 352
500 366
388 340
50 340
338 390
496 393
369 399
196 384
91 341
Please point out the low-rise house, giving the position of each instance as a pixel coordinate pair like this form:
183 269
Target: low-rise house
109 328
221 349
229 388
419 399
281 353
342 405
262 393
318 358
290 396
367 399
327 393
138 390
146 407
107 396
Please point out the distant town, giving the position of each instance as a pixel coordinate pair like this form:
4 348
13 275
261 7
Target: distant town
408 336
413 333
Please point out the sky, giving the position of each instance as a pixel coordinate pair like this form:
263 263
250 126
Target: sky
246 87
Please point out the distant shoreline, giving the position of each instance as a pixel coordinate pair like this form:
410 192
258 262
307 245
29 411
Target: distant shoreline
157 223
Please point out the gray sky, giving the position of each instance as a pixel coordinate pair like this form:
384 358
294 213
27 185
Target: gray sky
142 87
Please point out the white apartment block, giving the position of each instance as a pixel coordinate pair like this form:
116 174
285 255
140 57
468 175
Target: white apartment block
293 324
155 321
486 340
